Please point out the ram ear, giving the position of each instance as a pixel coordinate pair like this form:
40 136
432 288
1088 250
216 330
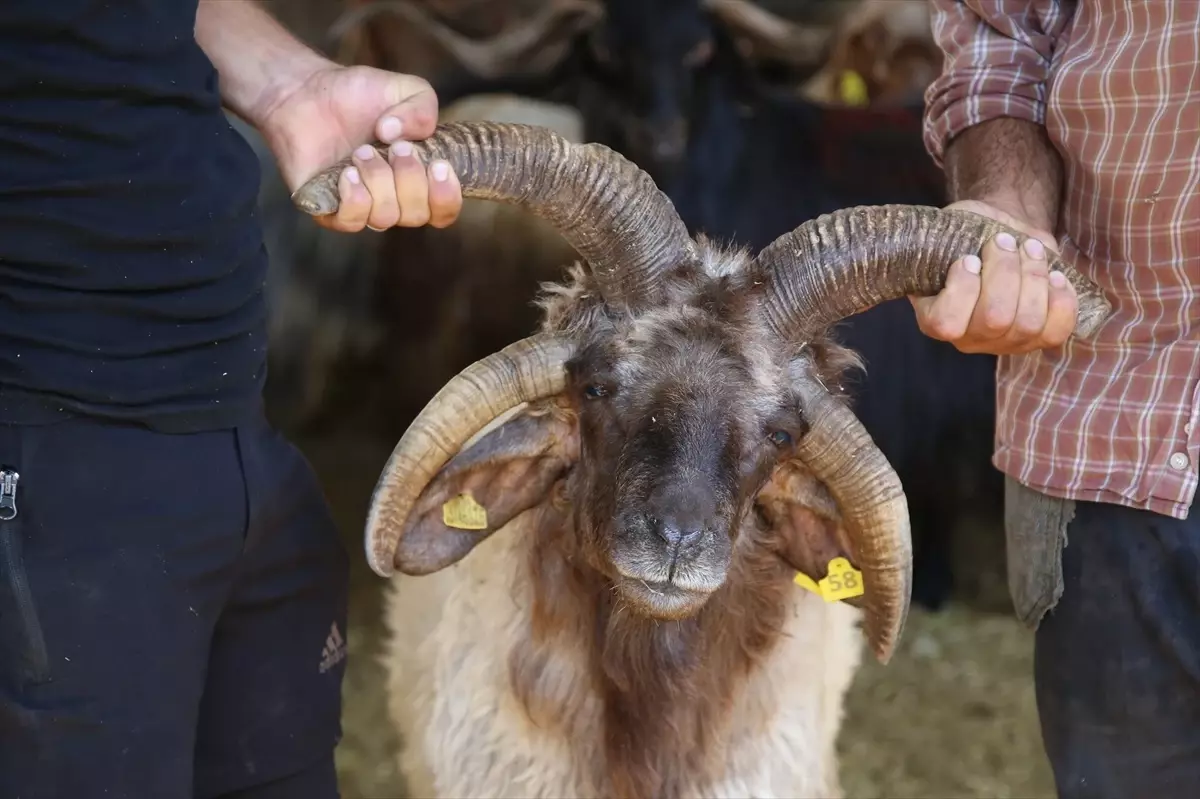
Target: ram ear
509 469
804 522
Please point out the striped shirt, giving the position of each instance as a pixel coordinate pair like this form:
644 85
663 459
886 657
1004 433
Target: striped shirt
1117 86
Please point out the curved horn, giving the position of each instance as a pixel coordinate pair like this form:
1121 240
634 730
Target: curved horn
840 264
605 207
774 36
528 48
840 453
524 371
845 262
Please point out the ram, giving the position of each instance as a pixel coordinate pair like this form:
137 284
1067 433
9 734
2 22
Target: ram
749 161
603 523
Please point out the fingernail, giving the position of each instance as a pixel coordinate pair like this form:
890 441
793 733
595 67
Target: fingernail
390 128
972 264
441 171
402 149
1058 280
1005 241
1034 248
352 175
364 152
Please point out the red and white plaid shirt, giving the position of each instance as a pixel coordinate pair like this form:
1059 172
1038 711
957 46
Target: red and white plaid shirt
1117 86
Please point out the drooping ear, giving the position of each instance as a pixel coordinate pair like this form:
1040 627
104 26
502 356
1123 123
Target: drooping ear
804 521
507 471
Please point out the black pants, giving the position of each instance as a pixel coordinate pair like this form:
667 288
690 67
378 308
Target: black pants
1118 658
172 616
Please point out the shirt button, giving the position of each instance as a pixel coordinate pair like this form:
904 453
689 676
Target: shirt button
1187 429
1179 461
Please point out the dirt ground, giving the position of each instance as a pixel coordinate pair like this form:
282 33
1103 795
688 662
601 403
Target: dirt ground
953 714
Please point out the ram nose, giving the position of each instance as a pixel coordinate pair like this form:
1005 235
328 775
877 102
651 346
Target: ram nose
680 514
677 532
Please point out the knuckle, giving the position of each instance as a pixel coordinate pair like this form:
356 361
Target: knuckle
353 214
445 219
354 209
416 216
1059 327
941 328
995 318
385 216
969 345
1055 336
1064 303
1026 326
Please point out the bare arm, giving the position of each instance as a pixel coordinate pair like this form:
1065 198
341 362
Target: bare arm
984 125
313 112
1010 164
985 116
259 61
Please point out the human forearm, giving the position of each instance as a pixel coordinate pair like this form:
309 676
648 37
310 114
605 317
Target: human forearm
984 120
259 61
1010 164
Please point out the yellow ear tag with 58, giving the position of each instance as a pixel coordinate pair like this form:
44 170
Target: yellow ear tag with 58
853 89
464 513
842 581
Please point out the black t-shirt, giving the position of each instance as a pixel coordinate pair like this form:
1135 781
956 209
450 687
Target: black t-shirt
131 257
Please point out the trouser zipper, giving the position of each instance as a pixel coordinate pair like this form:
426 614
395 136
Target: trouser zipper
8 494
10 551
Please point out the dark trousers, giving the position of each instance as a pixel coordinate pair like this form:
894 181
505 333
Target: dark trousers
172 616
1118 658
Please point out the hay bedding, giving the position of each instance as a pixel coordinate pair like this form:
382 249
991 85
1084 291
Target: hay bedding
953 715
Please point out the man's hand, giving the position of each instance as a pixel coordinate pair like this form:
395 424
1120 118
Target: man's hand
1008 302
333 114
313 113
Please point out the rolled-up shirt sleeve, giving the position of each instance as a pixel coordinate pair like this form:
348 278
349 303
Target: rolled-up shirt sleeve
997 59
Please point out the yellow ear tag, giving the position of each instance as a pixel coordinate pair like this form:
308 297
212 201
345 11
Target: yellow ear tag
842 582
853 89
464 513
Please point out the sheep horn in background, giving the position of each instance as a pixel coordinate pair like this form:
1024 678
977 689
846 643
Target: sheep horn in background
771 36
605 207
524 371
532 47
848 261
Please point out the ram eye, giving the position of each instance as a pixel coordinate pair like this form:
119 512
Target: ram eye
780 438
595 391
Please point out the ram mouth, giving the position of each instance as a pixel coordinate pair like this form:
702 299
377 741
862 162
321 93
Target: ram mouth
660 600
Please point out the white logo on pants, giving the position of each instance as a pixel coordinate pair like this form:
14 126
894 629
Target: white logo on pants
334 651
